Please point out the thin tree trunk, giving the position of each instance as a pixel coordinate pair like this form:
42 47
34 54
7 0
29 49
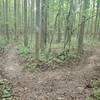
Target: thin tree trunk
25 24
37 29
6 15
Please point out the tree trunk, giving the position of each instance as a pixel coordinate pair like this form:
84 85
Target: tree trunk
37 29
25 24
15 19
43 24
6 15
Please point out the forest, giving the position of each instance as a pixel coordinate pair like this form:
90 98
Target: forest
49 49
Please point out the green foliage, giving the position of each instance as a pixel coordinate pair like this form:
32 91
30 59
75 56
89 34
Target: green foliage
96 90
2 82
96 84
24 51
86 4
32 66
49 57
56 56
5 90
98 1
49 60
3 42
96 93
89 98
89 41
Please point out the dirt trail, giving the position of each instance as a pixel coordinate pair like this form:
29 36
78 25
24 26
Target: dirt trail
11 64
58 84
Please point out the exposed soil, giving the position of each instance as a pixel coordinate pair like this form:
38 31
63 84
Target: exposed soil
59 84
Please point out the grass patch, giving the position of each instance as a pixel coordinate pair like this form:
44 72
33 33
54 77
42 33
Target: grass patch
89 98
24 51
95 90
3 42
5 90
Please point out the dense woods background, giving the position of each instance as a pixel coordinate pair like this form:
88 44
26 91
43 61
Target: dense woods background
49 49
45 25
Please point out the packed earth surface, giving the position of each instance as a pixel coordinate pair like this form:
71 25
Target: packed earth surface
63 83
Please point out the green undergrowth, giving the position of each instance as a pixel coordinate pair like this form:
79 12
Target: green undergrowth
57 54
95 91
3 42
91 42
5 90
24 51
46 58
